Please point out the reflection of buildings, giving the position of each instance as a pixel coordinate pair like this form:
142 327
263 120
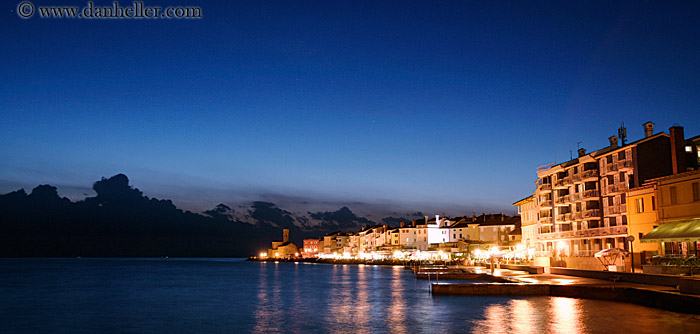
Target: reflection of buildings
284 248
579 207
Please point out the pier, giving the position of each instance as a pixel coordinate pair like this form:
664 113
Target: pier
660 291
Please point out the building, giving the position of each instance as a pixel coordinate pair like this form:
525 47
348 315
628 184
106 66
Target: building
310 248
496 229
283 249
579 207
677 210
528 209
642 218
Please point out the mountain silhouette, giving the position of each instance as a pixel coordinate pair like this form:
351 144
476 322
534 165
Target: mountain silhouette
120 221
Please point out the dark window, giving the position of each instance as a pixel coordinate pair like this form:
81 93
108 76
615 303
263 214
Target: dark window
653 203
623 199
674 195
621 155
696 192
609 159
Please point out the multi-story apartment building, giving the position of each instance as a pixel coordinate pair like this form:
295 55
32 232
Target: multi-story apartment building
580 205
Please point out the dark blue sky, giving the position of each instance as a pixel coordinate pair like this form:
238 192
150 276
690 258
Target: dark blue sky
447 104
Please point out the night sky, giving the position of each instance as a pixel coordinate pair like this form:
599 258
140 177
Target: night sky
422 105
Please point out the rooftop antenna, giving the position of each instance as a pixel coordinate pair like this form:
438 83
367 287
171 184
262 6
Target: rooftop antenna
571 155
622 133
578 145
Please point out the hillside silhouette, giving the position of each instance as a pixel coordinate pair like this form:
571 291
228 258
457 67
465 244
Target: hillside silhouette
120 221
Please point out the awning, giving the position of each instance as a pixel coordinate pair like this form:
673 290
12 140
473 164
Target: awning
680 231
611 252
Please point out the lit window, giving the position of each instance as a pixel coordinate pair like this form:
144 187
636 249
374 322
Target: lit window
640 205
689 149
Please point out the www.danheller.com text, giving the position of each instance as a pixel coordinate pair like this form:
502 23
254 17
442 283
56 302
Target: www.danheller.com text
133 10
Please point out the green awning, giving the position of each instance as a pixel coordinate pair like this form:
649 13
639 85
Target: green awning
680 231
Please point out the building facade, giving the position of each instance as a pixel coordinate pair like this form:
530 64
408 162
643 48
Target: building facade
579 207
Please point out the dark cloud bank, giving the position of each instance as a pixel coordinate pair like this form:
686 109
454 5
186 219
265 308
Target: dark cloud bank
121 221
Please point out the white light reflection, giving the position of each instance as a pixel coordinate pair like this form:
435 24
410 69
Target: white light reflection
269 294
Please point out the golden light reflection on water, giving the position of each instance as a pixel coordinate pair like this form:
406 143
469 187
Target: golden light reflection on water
397 311
523 312
525 316
566 315
496 318
362 299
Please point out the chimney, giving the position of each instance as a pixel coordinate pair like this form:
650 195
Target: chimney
402 224
581 152
648 129
413 223
285 235
503 217
613 141
426 220
677 149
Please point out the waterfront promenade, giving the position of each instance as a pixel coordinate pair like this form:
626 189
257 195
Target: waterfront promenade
523 283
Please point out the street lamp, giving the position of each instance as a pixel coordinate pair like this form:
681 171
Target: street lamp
631 241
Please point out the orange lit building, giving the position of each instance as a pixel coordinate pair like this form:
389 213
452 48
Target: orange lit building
310 248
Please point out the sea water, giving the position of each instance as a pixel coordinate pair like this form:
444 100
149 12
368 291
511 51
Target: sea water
236 296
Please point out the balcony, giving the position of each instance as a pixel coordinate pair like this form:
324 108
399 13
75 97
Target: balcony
611 167
564 199
577 215
546 203
545 220
561 183
545 187
591 193
615 209
589 174
564 217
625 164
556 235
591 213
615 188
575 178
602 231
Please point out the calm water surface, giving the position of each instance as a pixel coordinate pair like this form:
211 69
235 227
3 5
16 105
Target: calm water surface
234 296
